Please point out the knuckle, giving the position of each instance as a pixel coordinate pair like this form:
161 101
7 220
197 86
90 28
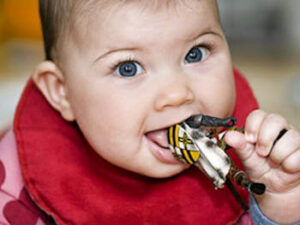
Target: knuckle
276 118
295 136
277 158
254 120
291 164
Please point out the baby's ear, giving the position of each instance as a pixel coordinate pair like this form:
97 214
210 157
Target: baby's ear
50 81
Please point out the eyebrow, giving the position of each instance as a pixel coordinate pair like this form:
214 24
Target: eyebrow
113 51
209 32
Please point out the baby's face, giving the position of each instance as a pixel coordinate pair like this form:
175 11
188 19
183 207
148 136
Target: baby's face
134 71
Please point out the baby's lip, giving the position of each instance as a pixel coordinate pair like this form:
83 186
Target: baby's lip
159 137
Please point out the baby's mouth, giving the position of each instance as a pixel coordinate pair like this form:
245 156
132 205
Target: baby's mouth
159 146
159 137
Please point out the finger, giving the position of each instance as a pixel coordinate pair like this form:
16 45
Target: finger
238 141
285 146
291 163
279 136
253 163
253 124
269 130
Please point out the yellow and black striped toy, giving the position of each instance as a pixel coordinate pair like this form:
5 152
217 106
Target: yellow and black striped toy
191 143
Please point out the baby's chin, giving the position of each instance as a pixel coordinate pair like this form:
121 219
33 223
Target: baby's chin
165 171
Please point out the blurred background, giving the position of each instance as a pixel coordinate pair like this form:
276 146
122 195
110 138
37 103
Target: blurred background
264 36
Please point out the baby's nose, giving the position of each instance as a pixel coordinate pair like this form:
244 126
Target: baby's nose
174 94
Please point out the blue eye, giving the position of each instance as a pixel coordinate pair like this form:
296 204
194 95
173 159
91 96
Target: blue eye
129 69
196 54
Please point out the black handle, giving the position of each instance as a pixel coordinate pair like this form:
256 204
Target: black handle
209 121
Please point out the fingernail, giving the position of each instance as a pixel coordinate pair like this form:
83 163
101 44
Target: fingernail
261 150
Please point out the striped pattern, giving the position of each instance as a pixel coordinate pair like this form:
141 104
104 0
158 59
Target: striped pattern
182 146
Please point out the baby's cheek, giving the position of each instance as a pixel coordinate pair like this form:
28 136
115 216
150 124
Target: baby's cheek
223 103
226 97
216 94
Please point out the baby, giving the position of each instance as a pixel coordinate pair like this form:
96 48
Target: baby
120 73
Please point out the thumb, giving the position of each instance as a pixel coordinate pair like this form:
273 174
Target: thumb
238 141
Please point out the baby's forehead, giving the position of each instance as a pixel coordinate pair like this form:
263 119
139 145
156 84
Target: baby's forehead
96 17
95 11
100 6
88 11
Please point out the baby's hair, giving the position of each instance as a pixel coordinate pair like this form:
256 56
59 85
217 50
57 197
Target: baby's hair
51 14
56 18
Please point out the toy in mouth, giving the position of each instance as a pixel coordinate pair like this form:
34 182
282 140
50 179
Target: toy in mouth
197 142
